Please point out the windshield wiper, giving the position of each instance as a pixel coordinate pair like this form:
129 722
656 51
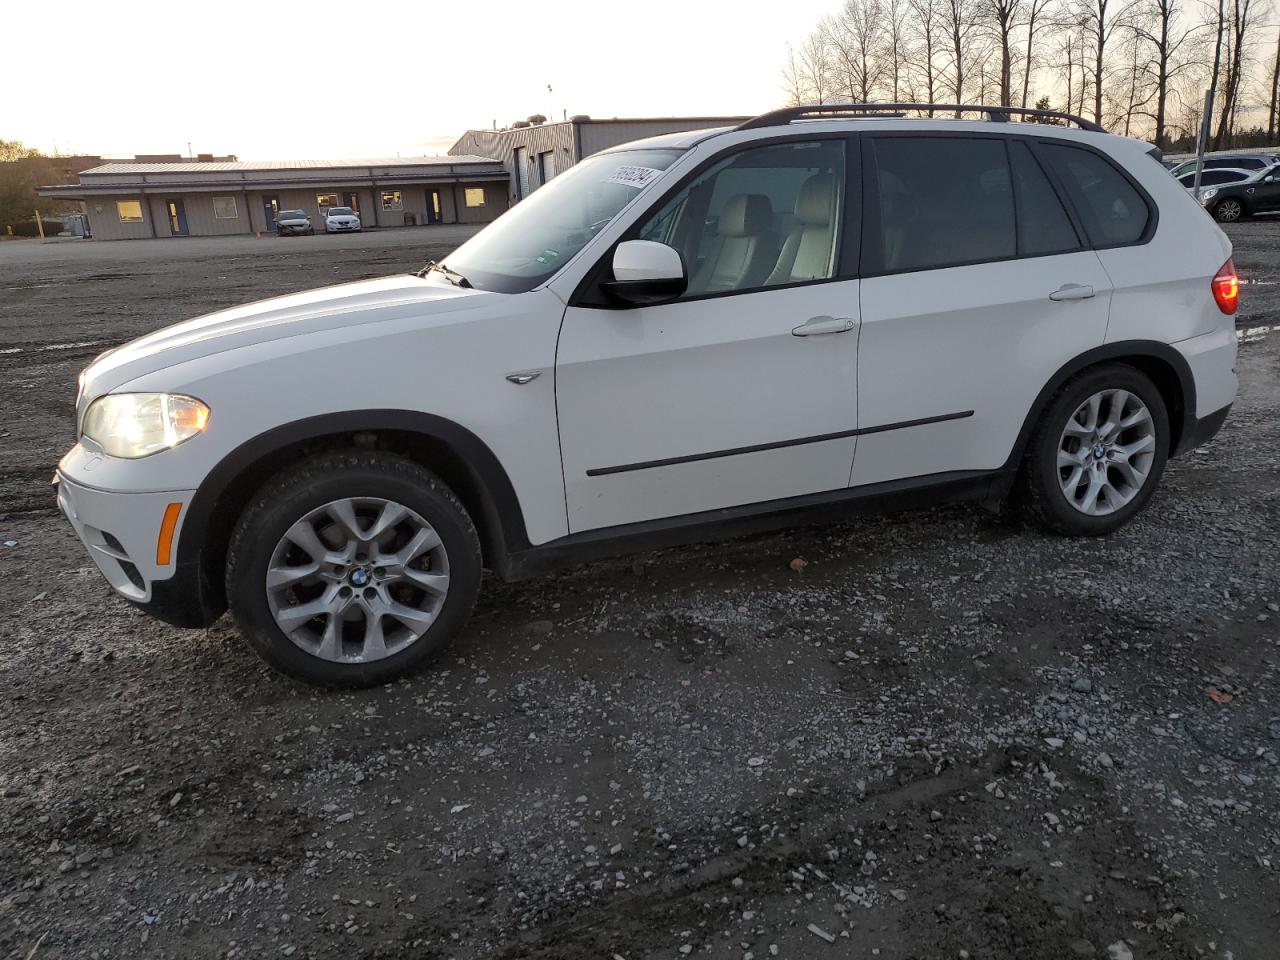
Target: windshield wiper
453 276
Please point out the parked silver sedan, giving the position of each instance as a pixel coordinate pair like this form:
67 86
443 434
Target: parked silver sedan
293 221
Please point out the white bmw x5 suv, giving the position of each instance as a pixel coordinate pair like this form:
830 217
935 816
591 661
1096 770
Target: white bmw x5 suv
688 336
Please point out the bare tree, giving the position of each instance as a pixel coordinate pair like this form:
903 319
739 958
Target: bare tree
928 25
855 40
1160 29
815 68
1099 22
961 25
793 79
1036 16
1233 81
897 46
1004 20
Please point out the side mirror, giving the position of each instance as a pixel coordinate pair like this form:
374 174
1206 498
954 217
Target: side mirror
646 272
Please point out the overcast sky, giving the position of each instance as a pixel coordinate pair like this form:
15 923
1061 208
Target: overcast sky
284 79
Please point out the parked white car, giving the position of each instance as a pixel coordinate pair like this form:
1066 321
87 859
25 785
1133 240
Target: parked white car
690 336
341 220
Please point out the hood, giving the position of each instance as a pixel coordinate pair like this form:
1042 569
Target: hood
363 302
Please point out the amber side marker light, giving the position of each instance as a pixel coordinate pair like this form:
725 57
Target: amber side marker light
1226 288
164 545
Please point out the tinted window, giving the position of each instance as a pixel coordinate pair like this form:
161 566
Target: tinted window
1043 224
1112 210
943 201
759 218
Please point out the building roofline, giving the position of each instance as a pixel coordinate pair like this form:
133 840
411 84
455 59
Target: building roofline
149 187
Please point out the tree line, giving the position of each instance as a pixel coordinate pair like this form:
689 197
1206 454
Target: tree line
1138 67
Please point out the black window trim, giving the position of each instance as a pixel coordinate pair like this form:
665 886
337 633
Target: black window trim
871 252
588 294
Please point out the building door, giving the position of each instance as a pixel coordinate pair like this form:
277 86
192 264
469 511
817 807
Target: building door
177 218
270 210
435 207
520 158
352 200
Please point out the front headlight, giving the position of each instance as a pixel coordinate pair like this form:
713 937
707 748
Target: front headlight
1208 194
133 425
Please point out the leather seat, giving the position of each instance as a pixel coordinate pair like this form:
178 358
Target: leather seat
807 251
746 248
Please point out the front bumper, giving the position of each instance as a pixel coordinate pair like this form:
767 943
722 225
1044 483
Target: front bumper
123 534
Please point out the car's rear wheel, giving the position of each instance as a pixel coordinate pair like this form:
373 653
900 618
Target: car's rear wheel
1228 210
1097 454
352 568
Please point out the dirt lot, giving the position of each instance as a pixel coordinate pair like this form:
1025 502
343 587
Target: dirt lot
949 736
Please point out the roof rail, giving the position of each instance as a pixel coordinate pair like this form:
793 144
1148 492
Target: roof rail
996 114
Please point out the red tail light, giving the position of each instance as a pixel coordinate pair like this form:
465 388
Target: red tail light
1226 288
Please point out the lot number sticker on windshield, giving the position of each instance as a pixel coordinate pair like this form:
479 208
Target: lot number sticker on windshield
632 176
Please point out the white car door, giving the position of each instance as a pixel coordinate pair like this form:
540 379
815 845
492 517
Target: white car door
744 389
978 285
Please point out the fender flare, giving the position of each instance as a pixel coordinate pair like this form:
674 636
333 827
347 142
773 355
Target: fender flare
1120 350
501 509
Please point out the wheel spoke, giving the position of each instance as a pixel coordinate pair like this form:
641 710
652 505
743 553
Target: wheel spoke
1131 475
434 583
329 639
1141 445
1090 501
294 616
375 641
280 577
343 513
303 535
422 541
392 513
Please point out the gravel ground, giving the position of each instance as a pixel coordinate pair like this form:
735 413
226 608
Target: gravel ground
947 735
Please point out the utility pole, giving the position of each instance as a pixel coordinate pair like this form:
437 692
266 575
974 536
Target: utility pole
1202 141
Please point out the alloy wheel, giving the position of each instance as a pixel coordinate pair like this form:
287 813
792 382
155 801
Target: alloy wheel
1105 452
1229 211
357 580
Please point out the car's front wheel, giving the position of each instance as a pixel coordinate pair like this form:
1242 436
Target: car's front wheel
1097 453
1228 210
352 568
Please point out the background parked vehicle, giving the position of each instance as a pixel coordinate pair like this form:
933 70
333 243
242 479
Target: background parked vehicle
1232 161
293 221
1215 178
1238 201
341 220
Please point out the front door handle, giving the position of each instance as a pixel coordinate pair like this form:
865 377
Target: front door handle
1072 291
816 326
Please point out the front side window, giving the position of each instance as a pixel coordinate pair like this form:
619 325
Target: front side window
944 201
129 211
760 218
391 200
1112 209
536 237
224 208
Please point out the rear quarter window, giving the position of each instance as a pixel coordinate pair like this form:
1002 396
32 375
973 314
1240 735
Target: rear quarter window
1112 210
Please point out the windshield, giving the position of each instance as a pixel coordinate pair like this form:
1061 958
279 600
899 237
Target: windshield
340 212
292 215
537 236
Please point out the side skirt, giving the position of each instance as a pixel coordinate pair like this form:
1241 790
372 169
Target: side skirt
711 525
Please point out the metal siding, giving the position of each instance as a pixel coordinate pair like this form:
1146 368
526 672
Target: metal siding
106 225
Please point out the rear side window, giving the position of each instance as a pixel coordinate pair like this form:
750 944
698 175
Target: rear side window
1112 210
1043 224
944 201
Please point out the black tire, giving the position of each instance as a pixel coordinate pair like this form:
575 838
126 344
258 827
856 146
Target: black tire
291 494
1230 210
1042 493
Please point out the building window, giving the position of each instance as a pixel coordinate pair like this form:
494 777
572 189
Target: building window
391 200
224 208
129 211
326 200
474 196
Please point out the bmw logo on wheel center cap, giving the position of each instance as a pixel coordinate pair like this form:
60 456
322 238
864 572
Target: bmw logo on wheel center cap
359 576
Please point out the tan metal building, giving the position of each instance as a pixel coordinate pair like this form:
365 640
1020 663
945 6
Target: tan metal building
141 200
533 153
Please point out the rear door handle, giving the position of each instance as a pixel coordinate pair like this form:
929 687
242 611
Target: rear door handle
816 326
1072 291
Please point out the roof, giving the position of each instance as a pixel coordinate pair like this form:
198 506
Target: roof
681 140
226 166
